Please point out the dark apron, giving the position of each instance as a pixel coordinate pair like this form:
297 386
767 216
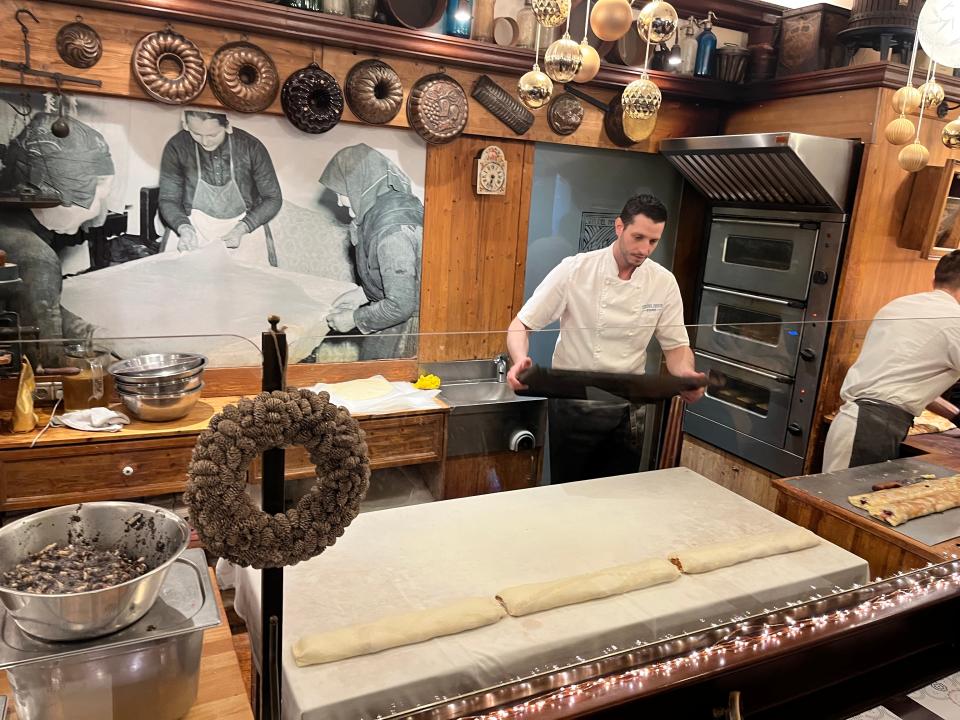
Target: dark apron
881 428
593 439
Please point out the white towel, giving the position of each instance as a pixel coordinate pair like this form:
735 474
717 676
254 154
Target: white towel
98 419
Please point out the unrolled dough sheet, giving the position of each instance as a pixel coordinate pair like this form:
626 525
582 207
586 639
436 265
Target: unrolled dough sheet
413 558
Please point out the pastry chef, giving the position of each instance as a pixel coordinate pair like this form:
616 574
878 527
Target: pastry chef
910 357
610 302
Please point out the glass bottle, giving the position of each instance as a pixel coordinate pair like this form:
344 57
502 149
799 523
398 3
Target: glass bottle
706 48
336 7
688 48
363 9
527 26
483 20
92 386
459 18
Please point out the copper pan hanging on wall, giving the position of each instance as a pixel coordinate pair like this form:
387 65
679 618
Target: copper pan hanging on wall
244 77
612 116
312 99
79 45
168 46
437 108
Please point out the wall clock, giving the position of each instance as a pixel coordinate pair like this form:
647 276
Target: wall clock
490 176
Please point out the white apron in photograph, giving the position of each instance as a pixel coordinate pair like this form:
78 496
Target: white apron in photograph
216 211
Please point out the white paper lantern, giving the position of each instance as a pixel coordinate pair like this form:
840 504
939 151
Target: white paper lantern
939 31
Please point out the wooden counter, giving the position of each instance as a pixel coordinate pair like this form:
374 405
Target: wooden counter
883 547
221 695
147 459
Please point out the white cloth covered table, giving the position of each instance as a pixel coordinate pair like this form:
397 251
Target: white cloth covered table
415 557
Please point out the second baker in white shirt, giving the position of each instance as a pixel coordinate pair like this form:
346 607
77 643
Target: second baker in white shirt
910 357
610 303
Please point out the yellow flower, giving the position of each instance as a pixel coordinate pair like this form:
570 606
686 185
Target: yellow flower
427 382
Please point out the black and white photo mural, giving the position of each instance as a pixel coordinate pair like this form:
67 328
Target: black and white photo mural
185 228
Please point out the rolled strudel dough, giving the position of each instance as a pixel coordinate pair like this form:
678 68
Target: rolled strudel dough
536 597
705 558
397 630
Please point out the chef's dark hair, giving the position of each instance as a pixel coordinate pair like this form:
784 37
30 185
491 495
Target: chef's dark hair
643 205
947 273
206 115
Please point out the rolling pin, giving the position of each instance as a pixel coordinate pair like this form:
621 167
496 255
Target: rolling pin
578 384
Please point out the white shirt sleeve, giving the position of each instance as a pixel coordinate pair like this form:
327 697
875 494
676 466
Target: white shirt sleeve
952 337
671 332
549 299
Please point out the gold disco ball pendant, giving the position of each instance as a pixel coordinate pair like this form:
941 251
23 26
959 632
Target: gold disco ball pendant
931 93
551 13
914 157
906 99
589 63
951 134
562 60
610 19
641 99
657 21
535 88
900 131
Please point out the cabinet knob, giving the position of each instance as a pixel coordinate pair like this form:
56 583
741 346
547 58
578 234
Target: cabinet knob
807 354
794 429
127 471
820 277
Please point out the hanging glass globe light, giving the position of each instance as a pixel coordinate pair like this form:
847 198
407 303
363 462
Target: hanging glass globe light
641 99
657 21
551 13
535 88
562 60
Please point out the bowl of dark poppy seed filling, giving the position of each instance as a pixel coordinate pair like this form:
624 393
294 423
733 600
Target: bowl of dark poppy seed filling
82 571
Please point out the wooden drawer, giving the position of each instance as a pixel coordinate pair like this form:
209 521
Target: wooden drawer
60 475
392 442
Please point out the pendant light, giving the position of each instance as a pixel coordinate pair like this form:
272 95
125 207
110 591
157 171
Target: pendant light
589 58
535 87
562 59
641 99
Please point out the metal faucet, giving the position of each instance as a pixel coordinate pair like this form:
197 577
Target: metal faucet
500 363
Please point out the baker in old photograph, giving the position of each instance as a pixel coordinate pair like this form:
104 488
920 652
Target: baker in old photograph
910 358
218 185
386 231
610 302
78 170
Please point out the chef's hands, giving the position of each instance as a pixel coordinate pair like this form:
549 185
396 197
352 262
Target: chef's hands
518 366
341 321
232 239
187 238
691 396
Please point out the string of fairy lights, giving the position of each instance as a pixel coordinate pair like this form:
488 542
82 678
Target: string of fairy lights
745 637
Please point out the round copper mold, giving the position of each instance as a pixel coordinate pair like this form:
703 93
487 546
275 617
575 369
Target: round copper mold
243 77
312 99
79 45
437 108
565 115
374 91
166 46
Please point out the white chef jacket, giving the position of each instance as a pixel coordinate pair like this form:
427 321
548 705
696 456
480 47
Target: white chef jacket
606 323
911 354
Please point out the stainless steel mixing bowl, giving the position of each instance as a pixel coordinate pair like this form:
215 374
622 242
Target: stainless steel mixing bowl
157 535
158 388
161 408
158 366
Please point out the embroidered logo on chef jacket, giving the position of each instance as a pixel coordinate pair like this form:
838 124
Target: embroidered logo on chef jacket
651 307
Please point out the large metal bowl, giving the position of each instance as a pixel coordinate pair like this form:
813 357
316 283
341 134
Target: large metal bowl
157 535
155 387
158 366
161 408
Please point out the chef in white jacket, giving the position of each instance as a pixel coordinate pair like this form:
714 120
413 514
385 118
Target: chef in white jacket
910 357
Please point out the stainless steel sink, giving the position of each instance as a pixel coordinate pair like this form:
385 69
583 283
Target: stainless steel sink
475 393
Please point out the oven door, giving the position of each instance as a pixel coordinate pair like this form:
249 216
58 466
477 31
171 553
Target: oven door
766 258
735 324
749 400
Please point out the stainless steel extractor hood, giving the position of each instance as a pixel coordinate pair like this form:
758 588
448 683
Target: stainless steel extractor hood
774 170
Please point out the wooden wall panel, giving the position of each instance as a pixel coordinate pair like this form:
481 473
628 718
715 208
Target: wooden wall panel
473 247
840 114
729 471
